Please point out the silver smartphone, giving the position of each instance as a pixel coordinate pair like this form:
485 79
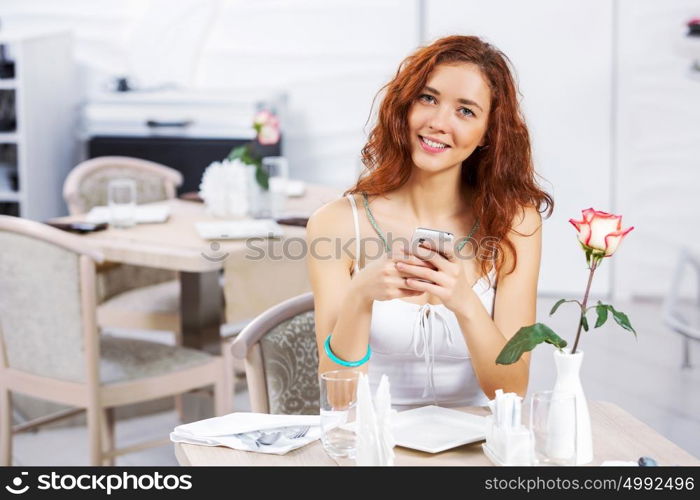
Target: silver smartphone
437 240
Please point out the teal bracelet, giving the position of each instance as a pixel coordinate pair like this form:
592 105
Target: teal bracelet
342 362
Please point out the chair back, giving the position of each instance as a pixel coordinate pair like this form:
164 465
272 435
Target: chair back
268 271
47 300
681 315
86 185
281 358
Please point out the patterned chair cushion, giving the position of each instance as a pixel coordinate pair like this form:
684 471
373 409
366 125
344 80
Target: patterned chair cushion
125 359
290 358
114 279
40 308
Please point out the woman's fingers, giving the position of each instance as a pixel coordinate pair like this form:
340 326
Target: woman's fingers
422 272
424 287
433 257
413 260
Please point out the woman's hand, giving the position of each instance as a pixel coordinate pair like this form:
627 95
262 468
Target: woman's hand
448 279
382 280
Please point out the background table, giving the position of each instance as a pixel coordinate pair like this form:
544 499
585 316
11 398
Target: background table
617 435
177 246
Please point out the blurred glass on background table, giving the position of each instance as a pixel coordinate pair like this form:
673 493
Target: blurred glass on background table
339 412
122 203
277 168
553 425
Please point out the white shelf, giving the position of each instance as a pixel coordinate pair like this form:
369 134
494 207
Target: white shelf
45 104
9 196
8 137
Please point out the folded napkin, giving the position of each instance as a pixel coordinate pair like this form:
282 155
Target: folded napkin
239 229
375 437
295 189
242 431
144 214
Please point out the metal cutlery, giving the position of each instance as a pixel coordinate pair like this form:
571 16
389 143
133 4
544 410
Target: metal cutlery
267 438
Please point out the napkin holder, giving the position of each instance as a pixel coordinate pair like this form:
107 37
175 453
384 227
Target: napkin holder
375 437
508 446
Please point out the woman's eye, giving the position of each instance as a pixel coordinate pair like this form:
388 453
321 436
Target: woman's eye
466 112
426 98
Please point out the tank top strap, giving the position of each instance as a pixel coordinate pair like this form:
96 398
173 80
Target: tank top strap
356 220
374 224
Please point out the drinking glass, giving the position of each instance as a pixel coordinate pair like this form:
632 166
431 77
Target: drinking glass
553 425
339 412
122 202
277 168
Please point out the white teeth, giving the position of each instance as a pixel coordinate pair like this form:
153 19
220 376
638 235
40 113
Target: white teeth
433 144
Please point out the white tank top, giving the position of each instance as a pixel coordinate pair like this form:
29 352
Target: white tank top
421 348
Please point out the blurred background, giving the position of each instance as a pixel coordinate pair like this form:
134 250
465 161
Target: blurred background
610 90
607 88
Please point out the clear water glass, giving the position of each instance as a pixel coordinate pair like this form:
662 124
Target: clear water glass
553 425
277 168
122 203
339 412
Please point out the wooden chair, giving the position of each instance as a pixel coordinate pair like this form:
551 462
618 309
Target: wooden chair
281 358
683 316
129 296
255 282
51 347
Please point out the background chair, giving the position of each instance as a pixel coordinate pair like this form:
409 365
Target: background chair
258 279
281 358
51 348
152 301
683 316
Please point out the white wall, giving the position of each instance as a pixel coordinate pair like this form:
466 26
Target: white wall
331 57
658 143
605 91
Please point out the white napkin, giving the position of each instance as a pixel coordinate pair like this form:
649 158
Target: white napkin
240 431
375 438
239 229
144 214
295 189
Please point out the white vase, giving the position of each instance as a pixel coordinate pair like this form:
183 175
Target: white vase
259 206
569 380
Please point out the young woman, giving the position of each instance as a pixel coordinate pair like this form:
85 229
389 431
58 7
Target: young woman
451 152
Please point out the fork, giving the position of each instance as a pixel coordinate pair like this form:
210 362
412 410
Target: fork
299 432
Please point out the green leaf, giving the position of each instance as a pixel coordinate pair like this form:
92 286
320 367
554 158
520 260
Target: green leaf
560 302
262 177
525 340
237 153
556 306
602 310
622 320
584 322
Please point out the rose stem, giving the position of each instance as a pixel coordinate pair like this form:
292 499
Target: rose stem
583 305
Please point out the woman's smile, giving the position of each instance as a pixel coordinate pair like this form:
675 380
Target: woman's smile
431 145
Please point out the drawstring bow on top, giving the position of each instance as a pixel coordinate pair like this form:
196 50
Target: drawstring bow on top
423 341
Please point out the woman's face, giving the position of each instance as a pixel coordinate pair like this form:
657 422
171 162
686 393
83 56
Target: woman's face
449 118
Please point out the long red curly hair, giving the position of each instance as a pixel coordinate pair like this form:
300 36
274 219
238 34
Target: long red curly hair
500 175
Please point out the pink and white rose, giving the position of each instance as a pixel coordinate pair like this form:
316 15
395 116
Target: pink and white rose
269 134
600 232
262 118
267 126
